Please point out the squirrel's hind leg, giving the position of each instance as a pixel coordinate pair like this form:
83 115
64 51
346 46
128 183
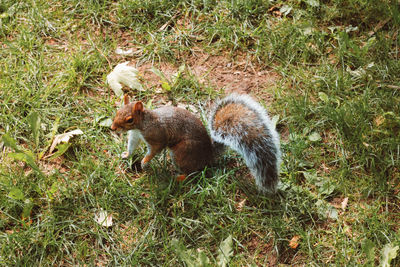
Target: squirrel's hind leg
190 156
181 178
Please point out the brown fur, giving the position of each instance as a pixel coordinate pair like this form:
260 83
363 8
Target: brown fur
241 123
169 127
230 118
237 121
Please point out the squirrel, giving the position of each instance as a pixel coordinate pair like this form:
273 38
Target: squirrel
236 121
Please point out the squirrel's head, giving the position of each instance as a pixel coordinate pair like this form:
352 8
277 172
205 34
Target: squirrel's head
129 116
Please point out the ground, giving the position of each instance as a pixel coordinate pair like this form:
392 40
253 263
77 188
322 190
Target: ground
326 71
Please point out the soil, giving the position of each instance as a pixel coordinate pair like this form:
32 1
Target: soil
238 75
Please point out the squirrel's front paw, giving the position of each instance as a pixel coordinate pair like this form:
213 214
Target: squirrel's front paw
125 155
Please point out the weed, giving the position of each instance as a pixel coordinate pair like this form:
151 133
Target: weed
336 96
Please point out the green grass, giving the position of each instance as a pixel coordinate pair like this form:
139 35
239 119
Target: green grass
337 98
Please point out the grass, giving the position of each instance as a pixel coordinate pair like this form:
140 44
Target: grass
337 98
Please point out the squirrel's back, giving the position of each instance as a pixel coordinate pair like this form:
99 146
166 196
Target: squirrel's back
241 123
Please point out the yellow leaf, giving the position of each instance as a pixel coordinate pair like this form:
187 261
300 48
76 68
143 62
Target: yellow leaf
379 120
294 242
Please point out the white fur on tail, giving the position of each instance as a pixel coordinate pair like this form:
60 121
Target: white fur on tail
262 155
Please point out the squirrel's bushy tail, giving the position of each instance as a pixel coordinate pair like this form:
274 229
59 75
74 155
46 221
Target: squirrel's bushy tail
241 123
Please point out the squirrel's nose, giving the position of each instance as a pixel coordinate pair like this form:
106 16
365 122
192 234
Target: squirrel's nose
113 127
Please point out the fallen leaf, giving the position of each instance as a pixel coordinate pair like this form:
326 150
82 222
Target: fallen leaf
123 74
145 195
294 242
191 257
358 73
225 252
103 218
314 137
240 205
332 213
313 3
379 120
389 252
285 10
332 59
106 122
122 52
64 138
344 203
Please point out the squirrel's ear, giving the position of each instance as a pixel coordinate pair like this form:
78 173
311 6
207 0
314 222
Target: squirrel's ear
126 100
138 106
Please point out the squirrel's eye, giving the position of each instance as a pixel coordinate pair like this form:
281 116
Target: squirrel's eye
130 120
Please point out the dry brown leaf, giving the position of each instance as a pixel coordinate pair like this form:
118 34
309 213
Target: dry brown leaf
240 205
63 138
344 203
294 242
379 120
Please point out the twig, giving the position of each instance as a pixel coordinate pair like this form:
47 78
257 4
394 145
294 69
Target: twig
163 27
379 26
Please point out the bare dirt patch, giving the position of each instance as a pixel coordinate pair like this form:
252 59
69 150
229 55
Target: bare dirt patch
238 74
49 166
262 253
129 236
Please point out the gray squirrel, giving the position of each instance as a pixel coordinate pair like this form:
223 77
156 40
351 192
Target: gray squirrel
236 121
